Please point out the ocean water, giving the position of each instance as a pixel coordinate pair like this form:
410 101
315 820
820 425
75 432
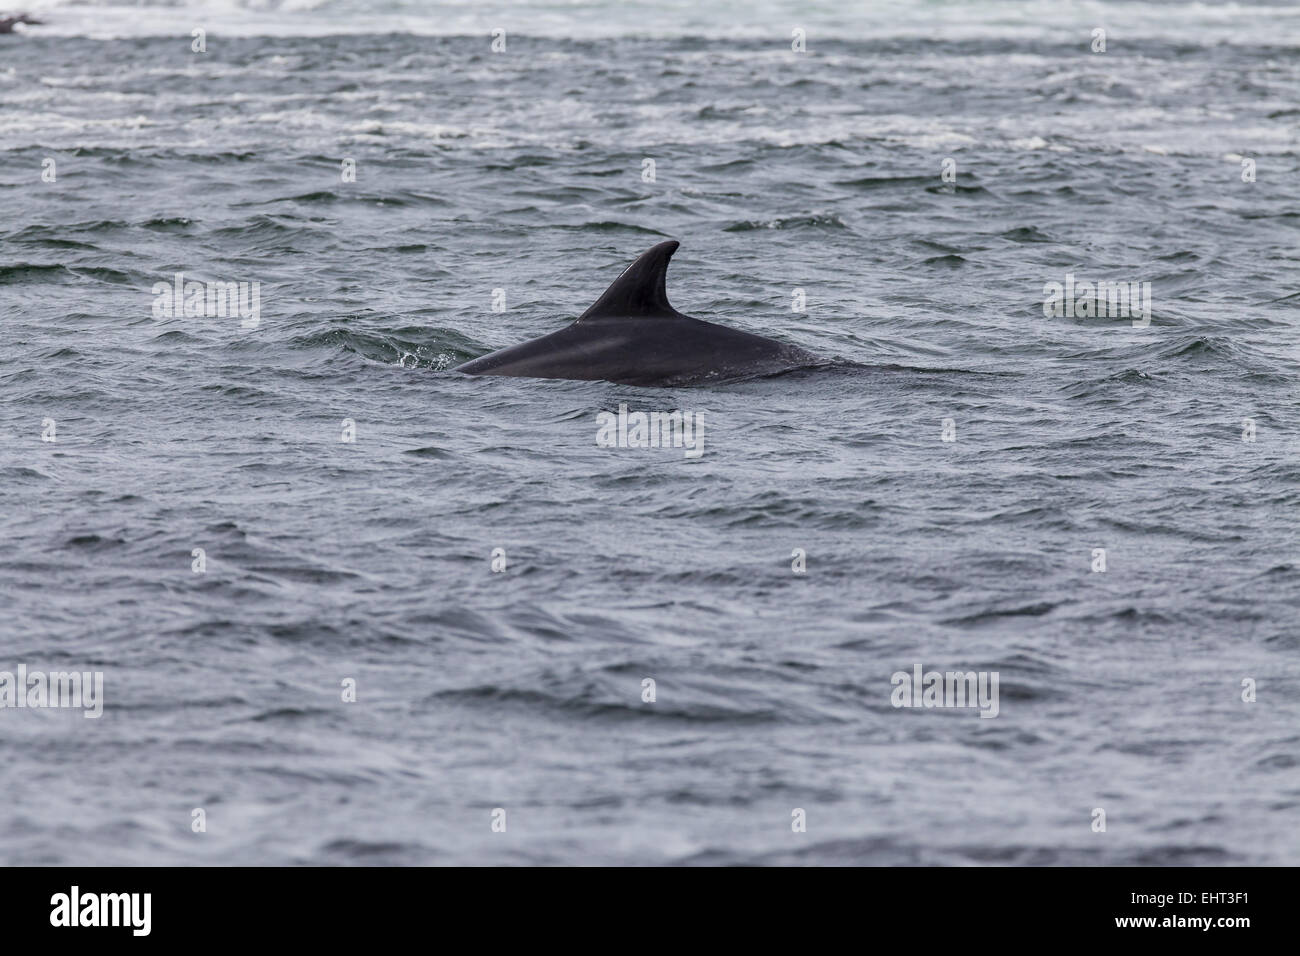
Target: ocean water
1172 444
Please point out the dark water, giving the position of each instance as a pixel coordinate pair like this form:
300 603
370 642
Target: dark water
522 690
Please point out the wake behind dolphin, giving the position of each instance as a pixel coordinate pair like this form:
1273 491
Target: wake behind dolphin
632 336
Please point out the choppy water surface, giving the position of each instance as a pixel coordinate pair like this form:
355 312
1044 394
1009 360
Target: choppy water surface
522 171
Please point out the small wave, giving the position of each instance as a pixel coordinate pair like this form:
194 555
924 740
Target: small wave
442 348
1026 234
816 221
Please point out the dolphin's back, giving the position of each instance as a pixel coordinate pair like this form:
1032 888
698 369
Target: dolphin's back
633 336
682 351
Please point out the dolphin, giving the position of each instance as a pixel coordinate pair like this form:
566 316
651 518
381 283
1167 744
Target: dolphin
632 336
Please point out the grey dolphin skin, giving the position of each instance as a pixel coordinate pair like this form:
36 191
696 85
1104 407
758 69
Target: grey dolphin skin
632 336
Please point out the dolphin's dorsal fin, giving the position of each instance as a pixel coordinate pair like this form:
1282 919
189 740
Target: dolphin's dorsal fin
641 290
